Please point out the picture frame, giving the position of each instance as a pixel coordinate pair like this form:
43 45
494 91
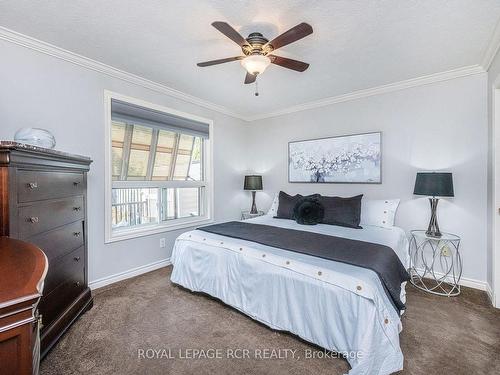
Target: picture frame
343 159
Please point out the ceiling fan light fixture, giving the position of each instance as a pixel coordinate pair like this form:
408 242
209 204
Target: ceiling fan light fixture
255 64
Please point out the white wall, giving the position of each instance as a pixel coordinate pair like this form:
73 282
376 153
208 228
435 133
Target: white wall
493 163
442 126
38 90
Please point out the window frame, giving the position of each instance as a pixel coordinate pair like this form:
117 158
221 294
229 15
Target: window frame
163 226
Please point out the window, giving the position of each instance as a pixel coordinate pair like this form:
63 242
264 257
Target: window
158 163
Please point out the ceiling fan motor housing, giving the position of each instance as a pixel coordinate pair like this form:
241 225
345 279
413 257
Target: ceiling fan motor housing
256 45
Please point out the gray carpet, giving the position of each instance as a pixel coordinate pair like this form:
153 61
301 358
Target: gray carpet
459 335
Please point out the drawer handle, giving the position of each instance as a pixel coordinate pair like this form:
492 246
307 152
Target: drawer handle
40 321
76 259
77 283
33 219
76 183
77 208
77 234
32 185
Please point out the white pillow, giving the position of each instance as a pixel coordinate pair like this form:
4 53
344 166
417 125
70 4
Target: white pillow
380 213
273 210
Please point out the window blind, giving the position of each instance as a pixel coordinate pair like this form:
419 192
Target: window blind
135 114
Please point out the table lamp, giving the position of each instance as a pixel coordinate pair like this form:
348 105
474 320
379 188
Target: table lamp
434 184
253 183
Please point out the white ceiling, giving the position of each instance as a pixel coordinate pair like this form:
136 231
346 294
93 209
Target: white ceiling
356 44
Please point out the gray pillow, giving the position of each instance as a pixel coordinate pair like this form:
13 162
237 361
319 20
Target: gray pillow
286 204
345 212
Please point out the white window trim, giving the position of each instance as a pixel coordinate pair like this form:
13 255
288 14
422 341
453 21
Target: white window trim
176 224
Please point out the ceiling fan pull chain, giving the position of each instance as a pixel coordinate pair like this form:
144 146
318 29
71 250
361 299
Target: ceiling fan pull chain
256 88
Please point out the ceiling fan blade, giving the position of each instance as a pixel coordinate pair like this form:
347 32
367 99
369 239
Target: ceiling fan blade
231 33
250 78
285 62
220 61
295 33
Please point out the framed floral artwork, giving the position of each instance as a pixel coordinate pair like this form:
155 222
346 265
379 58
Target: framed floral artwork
355 159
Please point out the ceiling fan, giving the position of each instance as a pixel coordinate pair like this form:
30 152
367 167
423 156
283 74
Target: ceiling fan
257 50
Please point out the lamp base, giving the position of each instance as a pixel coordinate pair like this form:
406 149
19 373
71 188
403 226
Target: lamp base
433 228
253 211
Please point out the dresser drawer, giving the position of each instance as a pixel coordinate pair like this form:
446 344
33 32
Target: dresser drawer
36 185
55 302
42 216
58 242
66 268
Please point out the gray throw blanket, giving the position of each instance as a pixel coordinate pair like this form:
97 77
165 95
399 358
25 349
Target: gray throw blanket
379 258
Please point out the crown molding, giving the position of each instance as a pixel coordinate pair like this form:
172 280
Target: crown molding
492 48
60 53
401 85
74 58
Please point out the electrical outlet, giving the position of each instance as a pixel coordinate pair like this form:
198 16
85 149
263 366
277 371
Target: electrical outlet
445 251
163 242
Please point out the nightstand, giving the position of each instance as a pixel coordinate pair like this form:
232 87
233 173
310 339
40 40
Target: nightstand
435 263
245 215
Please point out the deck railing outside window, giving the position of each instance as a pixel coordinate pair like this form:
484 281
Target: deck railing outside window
133 207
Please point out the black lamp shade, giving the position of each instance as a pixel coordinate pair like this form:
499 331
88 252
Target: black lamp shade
253 183
435 184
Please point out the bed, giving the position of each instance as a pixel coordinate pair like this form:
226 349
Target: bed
338 306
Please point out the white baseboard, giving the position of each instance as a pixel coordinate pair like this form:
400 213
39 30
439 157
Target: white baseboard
473 283
99 283
465 281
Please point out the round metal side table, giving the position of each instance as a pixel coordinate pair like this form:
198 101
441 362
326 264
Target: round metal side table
435 263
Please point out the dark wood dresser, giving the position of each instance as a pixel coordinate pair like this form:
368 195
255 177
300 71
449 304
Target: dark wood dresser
43 201
23 268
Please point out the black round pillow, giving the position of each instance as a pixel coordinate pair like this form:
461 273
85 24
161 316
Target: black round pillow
308 211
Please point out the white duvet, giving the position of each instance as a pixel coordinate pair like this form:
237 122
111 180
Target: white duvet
337 306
